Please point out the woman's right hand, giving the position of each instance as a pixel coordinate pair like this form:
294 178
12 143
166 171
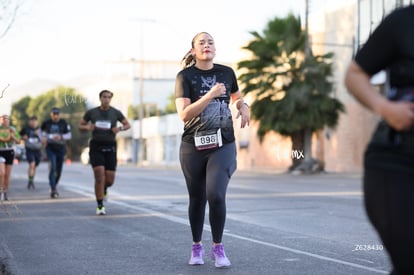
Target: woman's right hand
218 90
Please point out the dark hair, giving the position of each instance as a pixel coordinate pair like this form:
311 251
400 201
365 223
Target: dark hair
188 59
105 91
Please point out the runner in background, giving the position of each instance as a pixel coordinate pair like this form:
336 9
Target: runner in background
102 122
8 137
31 135
55 132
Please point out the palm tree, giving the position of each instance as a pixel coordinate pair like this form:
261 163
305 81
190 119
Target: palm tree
291 87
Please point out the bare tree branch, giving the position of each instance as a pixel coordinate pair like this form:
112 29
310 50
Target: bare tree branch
2 93
8 14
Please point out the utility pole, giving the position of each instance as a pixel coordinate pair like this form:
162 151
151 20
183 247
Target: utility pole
142 21
308 133
141 103
307 46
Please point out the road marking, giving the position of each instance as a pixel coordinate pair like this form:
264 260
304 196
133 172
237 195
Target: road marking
87 192
301 252
296 194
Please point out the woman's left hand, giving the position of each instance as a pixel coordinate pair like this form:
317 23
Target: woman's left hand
244 113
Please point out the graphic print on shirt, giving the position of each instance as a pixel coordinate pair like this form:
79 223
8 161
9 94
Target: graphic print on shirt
53 132
194 83
217 113
207 84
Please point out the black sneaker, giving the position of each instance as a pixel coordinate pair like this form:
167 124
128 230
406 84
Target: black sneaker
54 194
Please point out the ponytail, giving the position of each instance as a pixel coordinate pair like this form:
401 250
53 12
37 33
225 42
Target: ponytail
188 60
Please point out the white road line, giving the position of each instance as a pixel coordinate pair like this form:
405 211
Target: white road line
86 192
297 251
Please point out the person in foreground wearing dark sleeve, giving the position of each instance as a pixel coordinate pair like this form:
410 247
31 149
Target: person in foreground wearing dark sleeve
388 179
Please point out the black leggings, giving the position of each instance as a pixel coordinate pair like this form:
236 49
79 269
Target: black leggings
207 174
389 202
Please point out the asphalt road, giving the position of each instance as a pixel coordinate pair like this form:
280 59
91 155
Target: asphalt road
276 224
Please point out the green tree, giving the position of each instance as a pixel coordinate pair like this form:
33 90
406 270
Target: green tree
292 89
170 108
149 110
19 115
72 106
133 111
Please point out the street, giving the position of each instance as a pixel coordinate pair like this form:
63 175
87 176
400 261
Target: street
276 224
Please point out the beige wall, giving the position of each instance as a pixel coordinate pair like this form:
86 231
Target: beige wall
344 150
274 152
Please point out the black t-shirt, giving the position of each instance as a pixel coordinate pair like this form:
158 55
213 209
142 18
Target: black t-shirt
391 46
104 121
194 83
33 141
51 128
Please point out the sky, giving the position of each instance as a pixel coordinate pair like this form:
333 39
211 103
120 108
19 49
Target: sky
58 40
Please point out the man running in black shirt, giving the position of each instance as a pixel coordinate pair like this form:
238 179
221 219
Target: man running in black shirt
55 132
33 145
102 122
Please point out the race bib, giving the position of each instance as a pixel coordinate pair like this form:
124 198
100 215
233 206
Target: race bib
207 140
103 124
33 143
33 140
